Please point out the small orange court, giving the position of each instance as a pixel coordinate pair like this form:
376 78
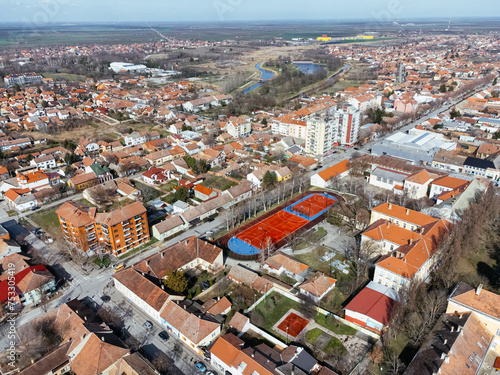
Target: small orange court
293 324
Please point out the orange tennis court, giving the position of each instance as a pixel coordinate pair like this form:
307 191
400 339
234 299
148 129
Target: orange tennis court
293 324
278 226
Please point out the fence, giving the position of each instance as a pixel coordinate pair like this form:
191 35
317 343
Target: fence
318 309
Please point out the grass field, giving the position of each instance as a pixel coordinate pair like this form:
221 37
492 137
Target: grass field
219 183
272 309
312 335
333 346
64 77
48 220
334 325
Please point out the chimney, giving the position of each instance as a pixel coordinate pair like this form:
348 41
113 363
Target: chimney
478 290
443 355
459 329
445 341
84 318
184 307
163 286
410 241
390 206
452 328
162 255
388 224
186 243
102 338
407 211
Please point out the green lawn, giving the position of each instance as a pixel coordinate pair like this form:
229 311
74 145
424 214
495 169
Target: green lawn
312 335
334 325
333 301
312 238
169 186
273 307
220 183
48 220
65 76
334 345
104 263
138 249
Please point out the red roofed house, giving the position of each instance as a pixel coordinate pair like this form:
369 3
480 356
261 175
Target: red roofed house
33 180
443 185
21 199
204 193
371 308
323 179
155 175
416 186
30 284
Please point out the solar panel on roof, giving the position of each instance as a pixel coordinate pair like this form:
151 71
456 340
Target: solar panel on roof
419 138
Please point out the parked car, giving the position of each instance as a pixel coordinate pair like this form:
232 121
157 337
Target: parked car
148 324
163 335
118 267
201 367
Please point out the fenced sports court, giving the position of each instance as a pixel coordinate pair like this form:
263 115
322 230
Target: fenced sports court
279 225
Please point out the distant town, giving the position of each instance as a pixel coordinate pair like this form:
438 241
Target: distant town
308 205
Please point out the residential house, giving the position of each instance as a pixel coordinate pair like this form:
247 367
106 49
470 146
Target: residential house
324 178
317 286
441 187
159 157
155 175
168 227
44 162
230 355
481 168
187 254
146 295
282 264
21 199
83 181
448 161
192 327
408 239
32 180
417 185
31 285
203 193
283 174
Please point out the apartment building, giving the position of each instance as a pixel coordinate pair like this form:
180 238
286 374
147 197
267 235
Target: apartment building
114 232
331 127
238 127
23 79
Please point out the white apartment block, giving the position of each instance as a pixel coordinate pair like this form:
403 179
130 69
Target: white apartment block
332 127
23 79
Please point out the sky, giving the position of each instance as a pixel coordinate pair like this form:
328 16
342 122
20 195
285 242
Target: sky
49 11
